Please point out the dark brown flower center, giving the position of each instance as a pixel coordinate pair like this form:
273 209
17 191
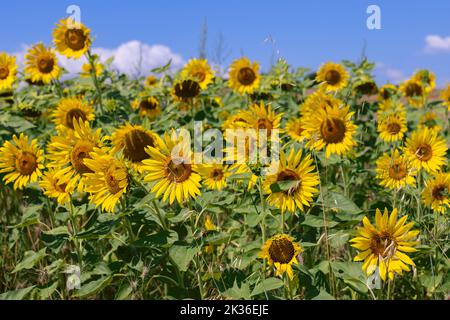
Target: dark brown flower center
440 192
281 251
367 88
45 64
289 175
178 173
26 163
397 171
112 183
413 90
74 114
333 130
61 187
393 128
187 89
79 153
383 245
148 104
246 76
333 77
4 72
75 39
424 152
217 174
265 124
135 143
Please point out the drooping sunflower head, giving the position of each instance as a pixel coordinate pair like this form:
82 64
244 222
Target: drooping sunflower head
186 90
244 76
171 169
198 70
72 39
148 106
426 149
41 64
430 120
392 127
427 78
281 251
445 96
414 91
151 81
436 193
385 244
8 71
395 171
21 160
331 129
294 129
108 180
132 140
214 175
365 86
298 179
55 188
70 110
332 76
387 92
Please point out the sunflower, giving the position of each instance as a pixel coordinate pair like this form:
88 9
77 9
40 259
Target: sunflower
8 71
260 117
365 86
427 78
21 160
294 129
72 39
209 224
108 180
148 106
281 251
426 149
41 64
332 76
414 91
68 152
395 171
54 188
87 69
198 70
331 129
445 96
429 120
387 91
186 90
171 168
151 81
236 121
390 106
384 244
436 193
69 110
214 175
244 76
302 178
318 100
392 127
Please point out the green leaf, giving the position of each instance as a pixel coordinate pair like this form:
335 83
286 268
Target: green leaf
93 287
323 295
267 285
237 292
281 186
317 222
124 292
183 255
18 294
163 68
45 293
30 216
29 260
337 202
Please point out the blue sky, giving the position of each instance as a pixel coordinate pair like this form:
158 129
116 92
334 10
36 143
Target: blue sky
306 33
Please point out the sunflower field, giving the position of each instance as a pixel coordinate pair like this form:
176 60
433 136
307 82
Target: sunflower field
114 187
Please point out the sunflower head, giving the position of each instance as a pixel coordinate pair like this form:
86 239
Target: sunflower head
365 87
148 106
332 76
430 120
281 251
71 110
392 127
151 81
436 193
87 70
445 96
214 175
72 39
384 244
395 171
414 91
244 76
387 92
198 70
427 78
8 71
186 90
54 187
319 101
41 64
294 129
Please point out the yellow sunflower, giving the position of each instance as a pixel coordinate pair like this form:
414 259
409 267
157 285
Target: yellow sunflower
392 127
185 91
236 121
214 175
427 78
384 244
69 110
281 251
41 64
425 149
171 168
331 129
436 193
132 140
198 70
302 180
72 39
86 70
429 120
414 91
318 100
21 160
260 117
294 129
108 180
54 188
68 152
151 81
148 106
390 106
445 96
387 91
395 171
332 76
244 76
365 86
8 71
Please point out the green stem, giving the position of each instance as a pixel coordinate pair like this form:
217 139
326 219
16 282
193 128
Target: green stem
77 244
95 79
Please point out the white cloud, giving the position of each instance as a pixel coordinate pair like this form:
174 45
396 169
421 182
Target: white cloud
435 43
389 74
133 58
